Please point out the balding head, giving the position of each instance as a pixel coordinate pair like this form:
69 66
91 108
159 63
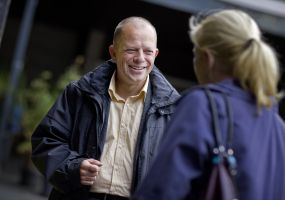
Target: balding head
137 22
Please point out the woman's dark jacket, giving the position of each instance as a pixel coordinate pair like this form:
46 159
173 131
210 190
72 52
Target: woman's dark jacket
75 128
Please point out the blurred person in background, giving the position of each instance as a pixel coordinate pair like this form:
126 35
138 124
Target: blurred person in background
230 57
99 138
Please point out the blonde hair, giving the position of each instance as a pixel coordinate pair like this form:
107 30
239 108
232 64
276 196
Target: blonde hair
234 38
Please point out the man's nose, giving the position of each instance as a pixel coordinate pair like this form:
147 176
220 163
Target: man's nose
139 55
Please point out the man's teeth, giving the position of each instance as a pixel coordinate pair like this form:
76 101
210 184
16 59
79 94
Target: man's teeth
138 68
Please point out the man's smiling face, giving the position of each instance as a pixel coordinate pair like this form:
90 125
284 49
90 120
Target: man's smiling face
135 53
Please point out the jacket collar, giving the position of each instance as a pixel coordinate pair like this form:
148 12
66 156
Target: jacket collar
98 80
233 88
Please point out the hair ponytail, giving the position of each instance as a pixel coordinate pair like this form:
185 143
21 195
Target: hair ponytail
256 67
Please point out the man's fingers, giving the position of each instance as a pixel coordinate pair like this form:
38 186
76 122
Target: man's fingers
93 168
89 169
95 162
89 173
88 178
87 182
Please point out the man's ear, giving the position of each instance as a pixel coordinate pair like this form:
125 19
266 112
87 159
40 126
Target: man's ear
156 52
112 52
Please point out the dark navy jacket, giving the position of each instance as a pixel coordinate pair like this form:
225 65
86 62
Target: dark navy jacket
183 162
75 128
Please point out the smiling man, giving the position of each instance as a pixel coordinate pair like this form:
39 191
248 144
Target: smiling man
101 135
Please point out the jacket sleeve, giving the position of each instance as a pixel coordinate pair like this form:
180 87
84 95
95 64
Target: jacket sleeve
182 154
51 152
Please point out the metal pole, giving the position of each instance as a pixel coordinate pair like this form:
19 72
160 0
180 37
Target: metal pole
18 60
4 9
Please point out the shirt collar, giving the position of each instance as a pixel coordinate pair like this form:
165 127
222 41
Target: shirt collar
114 96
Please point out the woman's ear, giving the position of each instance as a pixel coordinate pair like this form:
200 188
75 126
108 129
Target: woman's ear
210 59
112 52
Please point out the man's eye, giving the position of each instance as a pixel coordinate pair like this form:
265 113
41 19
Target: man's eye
148 52
130 50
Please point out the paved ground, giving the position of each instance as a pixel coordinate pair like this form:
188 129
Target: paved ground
11 191
10 187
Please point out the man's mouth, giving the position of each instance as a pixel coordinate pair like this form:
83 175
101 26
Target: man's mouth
137 67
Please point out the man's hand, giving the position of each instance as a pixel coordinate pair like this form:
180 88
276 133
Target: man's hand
89 170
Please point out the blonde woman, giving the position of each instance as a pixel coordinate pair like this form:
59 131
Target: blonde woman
230 57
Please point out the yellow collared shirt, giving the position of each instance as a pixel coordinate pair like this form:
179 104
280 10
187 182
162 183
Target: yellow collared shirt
116 174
